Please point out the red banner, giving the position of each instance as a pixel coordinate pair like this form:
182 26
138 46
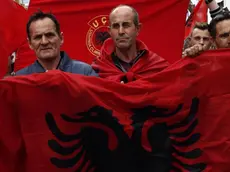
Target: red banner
64 122
199 14
84 24
12 31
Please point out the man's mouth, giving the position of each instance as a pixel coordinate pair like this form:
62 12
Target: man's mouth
46 48
122 39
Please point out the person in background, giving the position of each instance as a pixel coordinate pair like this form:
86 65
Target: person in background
199 35
220 30
215 11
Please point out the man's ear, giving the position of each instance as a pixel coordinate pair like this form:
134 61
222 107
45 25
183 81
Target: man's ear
62 37
189 40
139 28
29 42
187 43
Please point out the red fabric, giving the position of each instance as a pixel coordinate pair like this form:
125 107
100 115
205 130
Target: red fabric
64 122
12 31
84 24
25 56
147 65
3 63
199 14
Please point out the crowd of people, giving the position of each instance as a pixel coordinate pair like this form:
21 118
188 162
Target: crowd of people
213 35
123 51
45 39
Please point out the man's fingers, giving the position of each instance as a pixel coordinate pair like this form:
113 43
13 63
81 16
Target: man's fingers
193 51
200 48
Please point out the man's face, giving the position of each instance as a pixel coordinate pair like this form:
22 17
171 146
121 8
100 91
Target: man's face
44 39
201 37
122 28
222 39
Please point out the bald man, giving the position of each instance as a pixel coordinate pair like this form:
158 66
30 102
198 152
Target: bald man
123 57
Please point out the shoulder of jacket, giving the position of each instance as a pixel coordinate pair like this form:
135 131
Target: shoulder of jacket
26 70
80 64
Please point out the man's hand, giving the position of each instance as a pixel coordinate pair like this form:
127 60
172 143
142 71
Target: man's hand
193 51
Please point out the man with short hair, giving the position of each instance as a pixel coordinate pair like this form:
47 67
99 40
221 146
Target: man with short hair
220 29
45 38
123 57
200 35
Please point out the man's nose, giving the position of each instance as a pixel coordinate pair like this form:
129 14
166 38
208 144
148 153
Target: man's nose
44 40
121 30
201 41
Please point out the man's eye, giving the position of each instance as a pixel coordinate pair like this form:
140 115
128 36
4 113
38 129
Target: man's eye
115 26
125 25
225 35
49 34
197 38
37 37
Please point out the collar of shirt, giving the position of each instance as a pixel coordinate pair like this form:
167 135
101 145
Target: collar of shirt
64 60
124 66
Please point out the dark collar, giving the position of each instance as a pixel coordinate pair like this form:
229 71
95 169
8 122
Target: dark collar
117 60
63 63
